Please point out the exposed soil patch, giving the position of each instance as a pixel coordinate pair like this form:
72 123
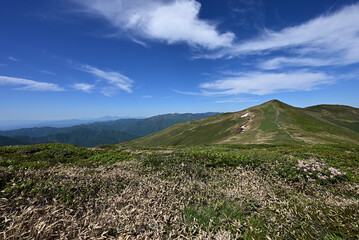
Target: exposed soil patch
246 125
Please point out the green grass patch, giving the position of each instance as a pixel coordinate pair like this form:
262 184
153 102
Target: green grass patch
217 215
42 155
268 123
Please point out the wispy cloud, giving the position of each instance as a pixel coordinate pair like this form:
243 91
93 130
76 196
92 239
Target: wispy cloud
139 42
172 21
116 80
330 39
30 85
108 91
47 72
147 96
83 87
281 62
259 83
202 93
12 59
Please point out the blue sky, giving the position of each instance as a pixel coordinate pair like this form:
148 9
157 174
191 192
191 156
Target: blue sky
62 59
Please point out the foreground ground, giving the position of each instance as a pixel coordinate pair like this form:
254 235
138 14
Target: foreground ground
205 192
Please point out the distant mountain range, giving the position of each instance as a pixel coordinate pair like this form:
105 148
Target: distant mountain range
268 123
272 122
6 125
93 134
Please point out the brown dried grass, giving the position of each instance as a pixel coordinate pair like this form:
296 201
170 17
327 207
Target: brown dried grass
131 201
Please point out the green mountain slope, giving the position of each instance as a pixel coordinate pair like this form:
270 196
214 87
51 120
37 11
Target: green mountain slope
271 122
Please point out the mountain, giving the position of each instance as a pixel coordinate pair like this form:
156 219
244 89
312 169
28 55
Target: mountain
7 141
109 132
271 122
81 136
143 127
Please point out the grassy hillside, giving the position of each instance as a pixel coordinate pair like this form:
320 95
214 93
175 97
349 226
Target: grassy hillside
343 116
59 191
271 122
321 124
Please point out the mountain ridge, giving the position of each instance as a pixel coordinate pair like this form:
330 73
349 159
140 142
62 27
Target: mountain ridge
272 122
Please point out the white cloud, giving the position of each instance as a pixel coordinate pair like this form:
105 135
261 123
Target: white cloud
139 42
47 72
31 85
108 91
334 31
83 87
147 96
173 21
115 79
329 39
280 62
266 83
190 93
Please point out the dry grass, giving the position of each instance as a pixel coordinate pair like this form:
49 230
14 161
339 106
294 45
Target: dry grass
145 199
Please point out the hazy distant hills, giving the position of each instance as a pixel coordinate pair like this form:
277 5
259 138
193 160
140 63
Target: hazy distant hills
271 122
89 135
6 125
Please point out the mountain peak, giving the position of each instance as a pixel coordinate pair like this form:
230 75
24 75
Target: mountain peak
272 122
274 101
